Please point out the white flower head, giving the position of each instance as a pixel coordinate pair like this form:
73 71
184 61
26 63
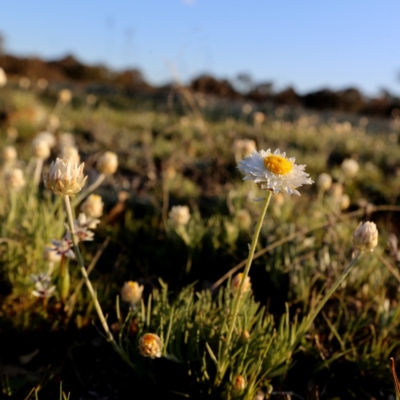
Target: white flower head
65 178
274 172
179 215
365 238
93 206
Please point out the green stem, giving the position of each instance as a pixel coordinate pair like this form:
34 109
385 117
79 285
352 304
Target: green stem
79 259
238 294
328 294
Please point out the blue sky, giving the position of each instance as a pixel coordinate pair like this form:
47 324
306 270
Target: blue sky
305 43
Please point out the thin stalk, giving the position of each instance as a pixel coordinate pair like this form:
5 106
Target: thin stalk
38 171
79 259
302 331
90 189
238 294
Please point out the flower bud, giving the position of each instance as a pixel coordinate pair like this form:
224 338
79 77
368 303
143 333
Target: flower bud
3 78
108 163
93 206
240 383
150 345
179 215
9 154
236 281
71 153
324 182
131 292
365 238
65 95
40 148
350 167
15 179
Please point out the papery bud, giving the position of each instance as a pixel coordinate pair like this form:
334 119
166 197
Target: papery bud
324 182
240 383
236 281
3 78
65 178
9 154
93 206
42 83
179 215
131 292
53 123
71 153
108 163
47 137
344 202
65 95
365 238
350 167
150 345
40 148
244 219
15 179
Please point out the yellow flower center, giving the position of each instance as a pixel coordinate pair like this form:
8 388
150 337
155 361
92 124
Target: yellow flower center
278 165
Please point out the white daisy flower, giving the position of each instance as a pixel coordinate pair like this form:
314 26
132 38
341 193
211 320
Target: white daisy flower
274 171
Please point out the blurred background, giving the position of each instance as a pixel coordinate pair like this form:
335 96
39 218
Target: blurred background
340 55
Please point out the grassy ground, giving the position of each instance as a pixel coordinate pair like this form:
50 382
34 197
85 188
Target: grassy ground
185 151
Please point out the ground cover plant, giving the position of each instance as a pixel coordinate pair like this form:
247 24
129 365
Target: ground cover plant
134 257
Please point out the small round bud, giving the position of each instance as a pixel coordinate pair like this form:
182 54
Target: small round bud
150 345
179 215
15 179
350 167
71 152
9 153
3 78
108 163
40 148
93 206
236 281
131 292
365 238
324 182
240 383
65 95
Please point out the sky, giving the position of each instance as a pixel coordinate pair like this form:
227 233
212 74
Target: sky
307 44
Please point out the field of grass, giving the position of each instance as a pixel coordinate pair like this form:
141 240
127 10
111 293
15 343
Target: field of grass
217 335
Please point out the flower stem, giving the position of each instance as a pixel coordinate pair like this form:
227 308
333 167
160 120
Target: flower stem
302 331
79 258
238 295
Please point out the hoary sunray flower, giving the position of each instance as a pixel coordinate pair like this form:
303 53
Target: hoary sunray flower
274 171
65 178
